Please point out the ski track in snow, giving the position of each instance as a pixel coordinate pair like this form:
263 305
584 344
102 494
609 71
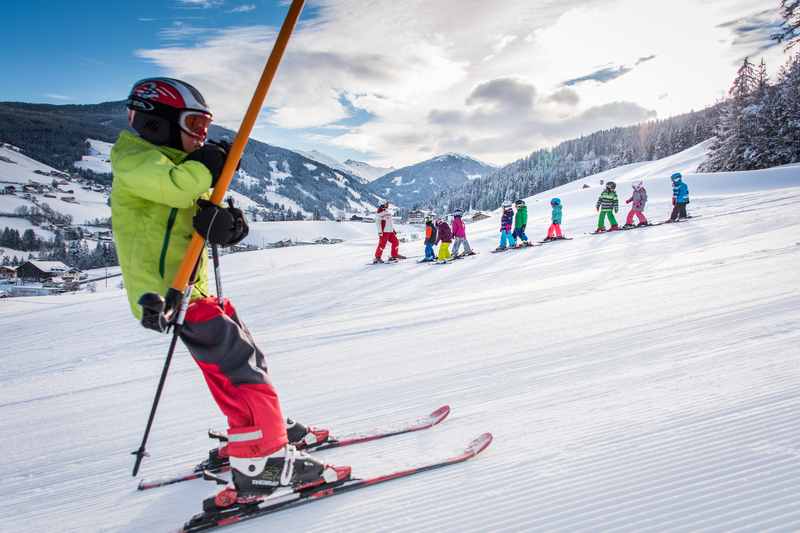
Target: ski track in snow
636 381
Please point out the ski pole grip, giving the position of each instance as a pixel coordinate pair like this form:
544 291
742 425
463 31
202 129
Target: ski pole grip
235 154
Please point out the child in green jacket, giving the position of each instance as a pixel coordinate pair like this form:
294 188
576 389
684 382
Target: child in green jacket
607 205
520 221
161 183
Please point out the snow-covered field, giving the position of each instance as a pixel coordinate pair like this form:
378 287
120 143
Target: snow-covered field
99 158
262 233
22 169
638 381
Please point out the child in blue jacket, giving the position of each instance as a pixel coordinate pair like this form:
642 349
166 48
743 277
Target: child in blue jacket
554 231
680 197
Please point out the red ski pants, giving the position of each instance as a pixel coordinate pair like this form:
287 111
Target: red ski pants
384 238
554 230
638 214
236 373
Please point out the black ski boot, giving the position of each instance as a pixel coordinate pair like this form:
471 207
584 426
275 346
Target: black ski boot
305 436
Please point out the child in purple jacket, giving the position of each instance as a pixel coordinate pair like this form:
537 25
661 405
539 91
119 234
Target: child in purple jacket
443 236
460 235
507 239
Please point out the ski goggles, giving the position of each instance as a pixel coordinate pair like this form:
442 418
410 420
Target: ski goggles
195 123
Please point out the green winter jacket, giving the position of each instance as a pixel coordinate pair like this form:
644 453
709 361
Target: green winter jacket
608 200
521 218
153 199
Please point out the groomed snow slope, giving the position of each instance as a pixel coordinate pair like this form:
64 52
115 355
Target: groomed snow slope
638 381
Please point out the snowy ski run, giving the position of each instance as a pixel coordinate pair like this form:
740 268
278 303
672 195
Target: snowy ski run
420 424
238 513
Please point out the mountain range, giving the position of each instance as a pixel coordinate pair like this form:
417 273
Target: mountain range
282 183
417 184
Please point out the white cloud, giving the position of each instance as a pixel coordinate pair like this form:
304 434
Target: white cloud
180 31
56 96
418 68
244 8
204 4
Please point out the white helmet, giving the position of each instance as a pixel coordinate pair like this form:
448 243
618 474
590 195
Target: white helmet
638 184
507 204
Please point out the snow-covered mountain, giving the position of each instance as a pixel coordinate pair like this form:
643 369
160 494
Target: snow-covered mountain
418 183
360 169
365 170
79 138
279 177
325 159
634 381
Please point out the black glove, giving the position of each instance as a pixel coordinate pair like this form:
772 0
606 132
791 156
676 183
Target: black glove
213 156
225 145
158 313
224 226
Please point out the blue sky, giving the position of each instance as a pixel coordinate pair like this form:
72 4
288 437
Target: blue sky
399 82
83 51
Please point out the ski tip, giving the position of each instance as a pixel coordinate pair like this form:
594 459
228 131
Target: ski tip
439 414
479 444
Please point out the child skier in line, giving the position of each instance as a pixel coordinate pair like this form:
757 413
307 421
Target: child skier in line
444 236
506 232
460 235
160 192
607 205
680 197
520 221
386 234
554 231
430 239
639 200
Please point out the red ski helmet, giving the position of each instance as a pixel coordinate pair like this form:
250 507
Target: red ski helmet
160 108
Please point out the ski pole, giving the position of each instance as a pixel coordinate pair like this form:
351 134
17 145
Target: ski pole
217 273
181 289
141 453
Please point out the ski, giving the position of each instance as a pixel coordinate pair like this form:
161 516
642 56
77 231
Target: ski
510 248
425 422
391 261
555 240
639 226
670 221
290 499
605 231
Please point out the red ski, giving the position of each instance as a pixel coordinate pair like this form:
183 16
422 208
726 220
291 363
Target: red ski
278 502
426 422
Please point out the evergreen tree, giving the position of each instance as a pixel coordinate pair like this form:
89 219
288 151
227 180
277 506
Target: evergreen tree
729 150
786 113
29 240
762 78
789 32
745 82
